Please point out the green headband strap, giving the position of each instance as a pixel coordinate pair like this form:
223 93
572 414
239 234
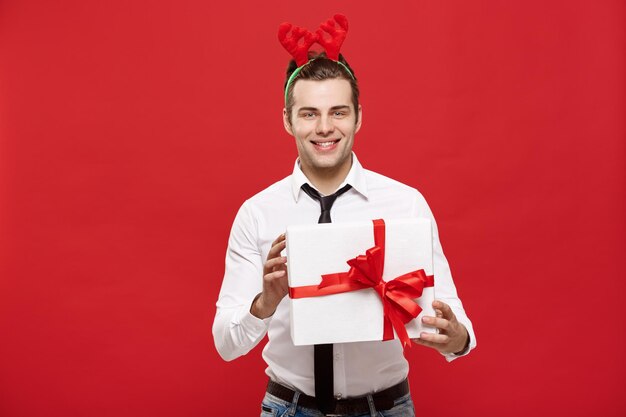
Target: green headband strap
297 71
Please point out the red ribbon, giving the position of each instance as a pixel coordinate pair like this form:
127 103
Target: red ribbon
366 271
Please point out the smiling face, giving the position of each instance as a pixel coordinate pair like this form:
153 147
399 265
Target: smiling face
323 122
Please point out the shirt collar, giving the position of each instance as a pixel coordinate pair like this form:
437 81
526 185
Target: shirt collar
355 178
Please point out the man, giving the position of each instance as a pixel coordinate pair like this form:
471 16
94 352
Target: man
322 113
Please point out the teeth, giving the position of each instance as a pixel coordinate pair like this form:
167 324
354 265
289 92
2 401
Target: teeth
325 144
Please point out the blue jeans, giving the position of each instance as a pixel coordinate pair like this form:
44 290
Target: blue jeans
275 407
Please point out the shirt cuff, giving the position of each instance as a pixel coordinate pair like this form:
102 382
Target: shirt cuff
469 346
253 323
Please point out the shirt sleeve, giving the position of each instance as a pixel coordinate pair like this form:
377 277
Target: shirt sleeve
445 290
235 330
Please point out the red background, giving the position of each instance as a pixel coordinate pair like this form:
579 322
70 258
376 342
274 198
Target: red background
130 133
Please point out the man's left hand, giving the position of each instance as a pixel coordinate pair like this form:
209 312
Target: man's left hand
452 337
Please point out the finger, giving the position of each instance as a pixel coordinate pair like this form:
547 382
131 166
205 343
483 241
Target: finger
280 238
276 249
437 322
446 311
435 338
274 262
273 276
426 343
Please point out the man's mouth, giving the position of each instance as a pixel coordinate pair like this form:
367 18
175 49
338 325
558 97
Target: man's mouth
327 144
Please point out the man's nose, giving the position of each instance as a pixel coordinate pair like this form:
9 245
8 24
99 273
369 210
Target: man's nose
324 126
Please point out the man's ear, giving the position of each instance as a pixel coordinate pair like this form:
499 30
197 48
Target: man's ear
360 119
286 122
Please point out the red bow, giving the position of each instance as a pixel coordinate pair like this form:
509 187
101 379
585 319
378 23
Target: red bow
366 271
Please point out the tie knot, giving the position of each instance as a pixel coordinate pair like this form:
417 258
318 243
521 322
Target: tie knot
326 202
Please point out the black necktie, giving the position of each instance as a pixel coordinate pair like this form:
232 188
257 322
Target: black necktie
323 354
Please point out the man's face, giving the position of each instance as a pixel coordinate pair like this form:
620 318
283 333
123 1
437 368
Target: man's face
323 122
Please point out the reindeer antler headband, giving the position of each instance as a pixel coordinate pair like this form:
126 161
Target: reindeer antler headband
297 41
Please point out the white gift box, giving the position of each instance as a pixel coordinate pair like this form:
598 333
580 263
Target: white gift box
355 316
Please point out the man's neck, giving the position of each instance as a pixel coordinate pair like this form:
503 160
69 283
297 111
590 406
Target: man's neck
327 181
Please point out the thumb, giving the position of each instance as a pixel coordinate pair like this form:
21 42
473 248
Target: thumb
445 309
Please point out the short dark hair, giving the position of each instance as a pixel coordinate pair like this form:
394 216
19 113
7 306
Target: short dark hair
321 68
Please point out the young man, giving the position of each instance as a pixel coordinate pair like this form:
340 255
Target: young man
323 115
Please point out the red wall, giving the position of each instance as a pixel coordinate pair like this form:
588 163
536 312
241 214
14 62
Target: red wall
130 133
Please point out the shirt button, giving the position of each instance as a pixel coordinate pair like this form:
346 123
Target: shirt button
338 396
337 356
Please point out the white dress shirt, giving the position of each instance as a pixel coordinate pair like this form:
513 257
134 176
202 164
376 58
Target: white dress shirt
359 368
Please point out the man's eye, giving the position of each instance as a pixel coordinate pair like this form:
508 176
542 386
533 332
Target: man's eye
340 113
308 115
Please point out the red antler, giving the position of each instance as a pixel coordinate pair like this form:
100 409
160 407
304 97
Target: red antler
337 35
291 42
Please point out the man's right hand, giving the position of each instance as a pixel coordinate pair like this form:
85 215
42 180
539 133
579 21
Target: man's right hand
275 285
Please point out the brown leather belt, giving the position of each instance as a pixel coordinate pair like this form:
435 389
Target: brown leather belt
383 400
